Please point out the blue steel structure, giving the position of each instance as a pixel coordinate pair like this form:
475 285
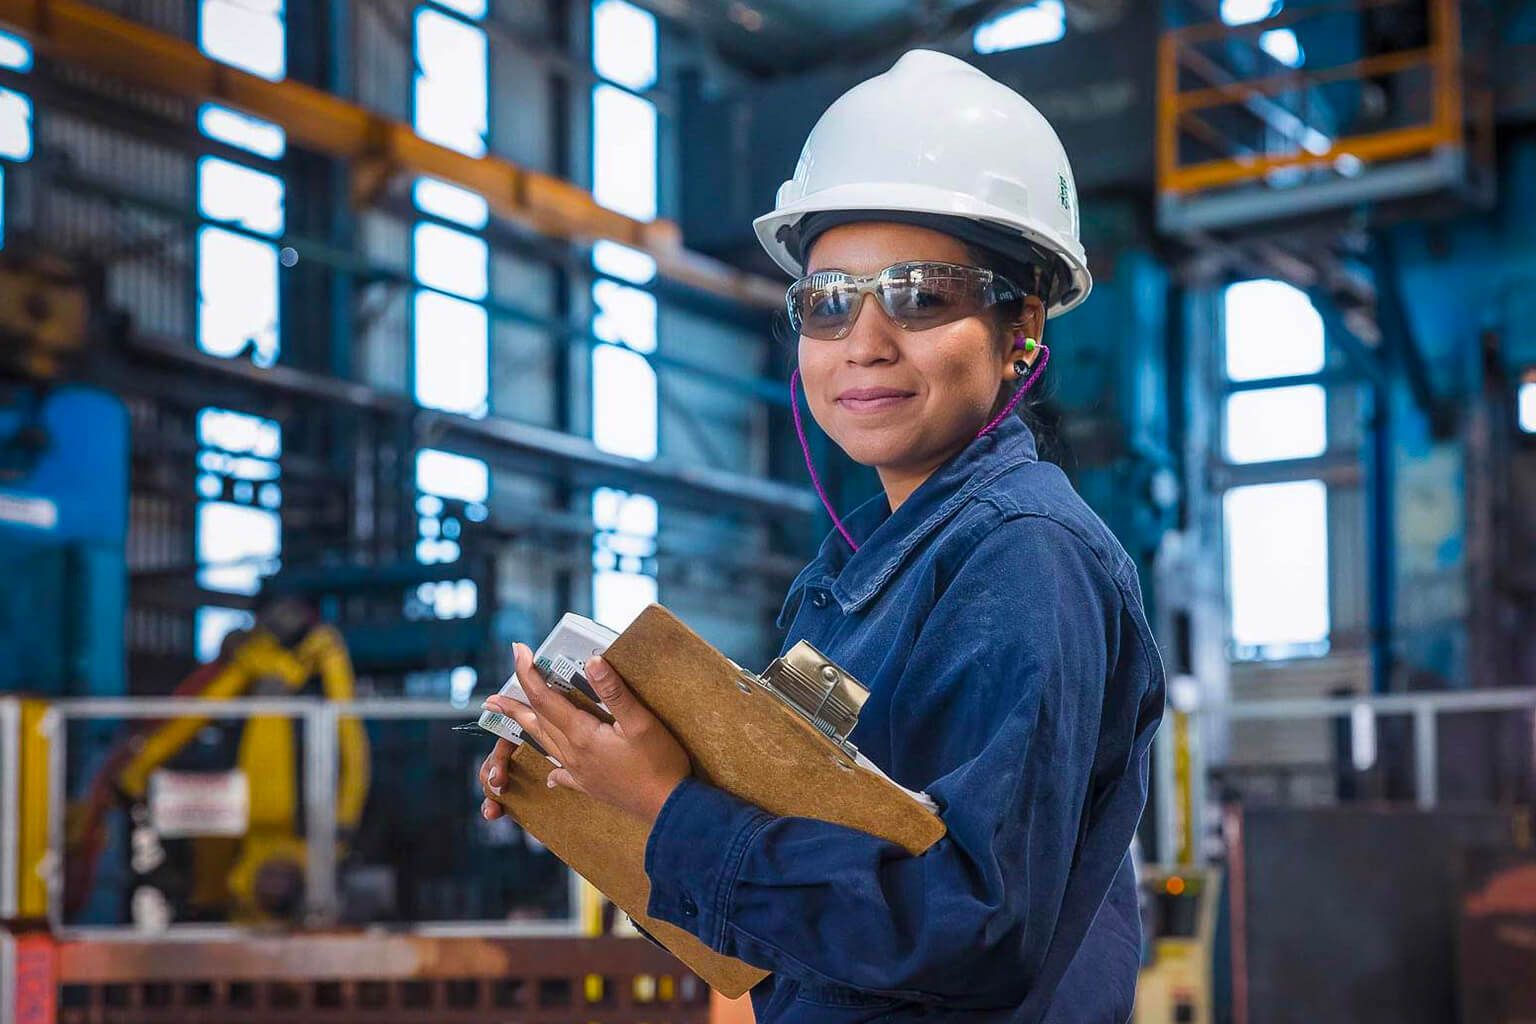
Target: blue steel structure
63 523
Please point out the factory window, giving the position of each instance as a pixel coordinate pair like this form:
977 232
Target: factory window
624 413
450 88
1036 24
239 530
450 202
240 195
624 400
445 599
450 329
1527 406
625 315
15 125
1277 568
624 44
1283 46
469 8
239 433
15 53
622 262
236 545
1276 533
451 336
15 114
242 131
237 296
451 261
444 477
623 550
624 152
212 624
1246 12
247 34
449 351
452 476
1276 423
451 489
1273 330
237 290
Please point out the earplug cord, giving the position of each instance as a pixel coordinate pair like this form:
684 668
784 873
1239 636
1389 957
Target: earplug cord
810 465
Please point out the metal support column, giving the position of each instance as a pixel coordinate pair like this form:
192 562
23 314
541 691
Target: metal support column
1381 497
10 806
1425 758
320 768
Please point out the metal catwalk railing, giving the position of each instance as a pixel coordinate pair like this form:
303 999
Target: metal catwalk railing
320 721
1184 770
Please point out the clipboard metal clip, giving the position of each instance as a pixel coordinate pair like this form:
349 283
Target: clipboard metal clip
821 691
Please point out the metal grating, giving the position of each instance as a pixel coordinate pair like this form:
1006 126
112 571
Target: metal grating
382 980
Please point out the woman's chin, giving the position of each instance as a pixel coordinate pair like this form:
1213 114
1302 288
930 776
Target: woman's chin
874 448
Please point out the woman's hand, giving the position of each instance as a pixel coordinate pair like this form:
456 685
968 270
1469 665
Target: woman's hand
633 764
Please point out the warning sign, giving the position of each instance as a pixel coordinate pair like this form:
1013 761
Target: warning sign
199 803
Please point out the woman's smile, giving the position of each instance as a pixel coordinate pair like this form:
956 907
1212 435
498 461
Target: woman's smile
872 399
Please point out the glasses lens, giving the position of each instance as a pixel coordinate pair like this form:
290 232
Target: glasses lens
919 296
823 305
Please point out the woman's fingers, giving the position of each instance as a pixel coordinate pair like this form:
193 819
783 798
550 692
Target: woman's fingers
557 712
630 716
490 810
543 733
562 779
496 767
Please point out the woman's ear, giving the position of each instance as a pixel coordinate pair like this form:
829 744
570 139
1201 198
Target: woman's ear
1030 325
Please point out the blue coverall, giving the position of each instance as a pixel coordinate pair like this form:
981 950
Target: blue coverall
1012 675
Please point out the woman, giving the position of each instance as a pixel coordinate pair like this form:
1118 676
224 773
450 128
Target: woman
995 620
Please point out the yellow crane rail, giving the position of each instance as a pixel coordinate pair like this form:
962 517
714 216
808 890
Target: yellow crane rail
376 146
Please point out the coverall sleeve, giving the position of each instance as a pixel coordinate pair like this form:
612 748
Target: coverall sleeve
1002 693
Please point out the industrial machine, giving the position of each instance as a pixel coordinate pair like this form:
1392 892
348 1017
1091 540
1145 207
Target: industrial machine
246 856
1180 917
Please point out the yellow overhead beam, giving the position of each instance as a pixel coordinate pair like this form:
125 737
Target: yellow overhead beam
77 33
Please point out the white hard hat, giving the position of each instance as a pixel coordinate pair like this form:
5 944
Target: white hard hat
935 136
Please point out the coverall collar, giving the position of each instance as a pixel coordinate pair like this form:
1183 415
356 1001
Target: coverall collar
886 539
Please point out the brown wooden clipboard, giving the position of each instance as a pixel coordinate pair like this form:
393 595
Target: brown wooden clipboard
742 739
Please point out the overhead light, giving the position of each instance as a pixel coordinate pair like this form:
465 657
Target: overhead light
1246 12
1036 24
1282 44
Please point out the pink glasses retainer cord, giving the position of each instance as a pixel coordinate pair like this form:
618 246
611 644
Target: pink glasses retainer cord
805 449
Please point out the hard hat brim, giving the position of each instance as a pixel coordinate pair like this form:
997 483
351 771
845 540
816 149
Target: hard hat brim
921 199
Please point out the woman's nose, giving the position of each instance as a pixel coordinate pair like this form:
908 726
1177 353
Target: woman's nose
873 337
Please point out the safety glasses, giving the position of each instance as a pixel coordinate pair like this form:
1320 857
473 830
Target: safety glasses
917 296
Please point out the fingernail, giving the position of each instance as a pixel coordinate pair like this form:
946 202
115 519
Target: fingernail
597 668
493 777
485 809
550 782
